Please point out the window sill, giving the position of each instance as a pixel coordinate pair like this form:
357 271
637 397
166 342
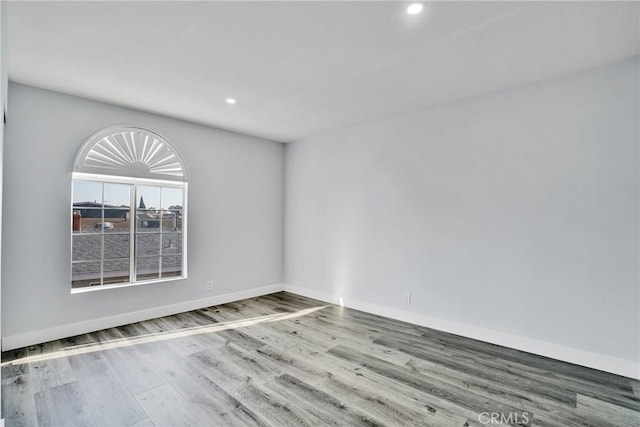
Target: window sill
125 285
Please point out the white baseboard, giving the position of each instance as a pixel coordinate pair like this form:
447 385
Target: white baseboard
627 368
43 335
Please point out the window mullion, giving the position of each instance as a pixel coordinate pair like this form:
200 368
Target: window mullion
160 239
102 240
132 233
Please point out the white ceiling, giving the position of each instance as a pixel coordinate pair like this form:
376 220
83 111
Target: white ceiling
302 68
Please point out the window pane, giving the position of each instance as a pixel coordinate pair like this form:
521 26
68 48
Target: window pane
117 195
116 271
87 192
147 245
116 245
116 221
147 197
86 247
148 221
85 274
147 268
172 265
86 220
171 198
171 243
172 220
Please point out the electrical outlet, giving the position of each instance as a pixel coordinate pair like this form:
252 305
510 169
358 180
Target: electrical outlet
407 298
209 285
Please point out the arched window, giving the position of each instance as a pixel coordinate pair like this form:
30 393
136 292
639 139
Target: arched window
129 210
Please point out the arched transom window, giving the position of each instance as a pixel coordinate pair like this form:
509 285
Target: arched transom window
129 216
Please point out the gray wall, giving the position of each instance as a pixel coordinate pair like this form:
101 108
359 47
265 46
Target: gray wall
515 212
235 211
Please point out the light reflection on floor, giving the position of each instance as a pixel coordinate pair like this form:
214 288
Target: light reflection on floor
161 336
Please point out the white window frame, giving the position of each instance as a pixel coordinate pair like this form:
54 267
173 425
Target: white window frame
135 182
132 162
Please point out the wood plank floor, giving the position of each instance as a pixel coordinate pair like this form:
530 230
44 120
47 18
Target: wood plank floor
282 359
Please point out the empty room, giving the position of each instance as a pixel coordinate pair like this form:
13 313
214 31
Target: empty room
309 213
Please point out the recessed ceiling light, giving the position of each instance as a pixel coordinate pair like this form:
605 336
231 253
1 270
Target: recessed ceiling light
415 8
231 101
